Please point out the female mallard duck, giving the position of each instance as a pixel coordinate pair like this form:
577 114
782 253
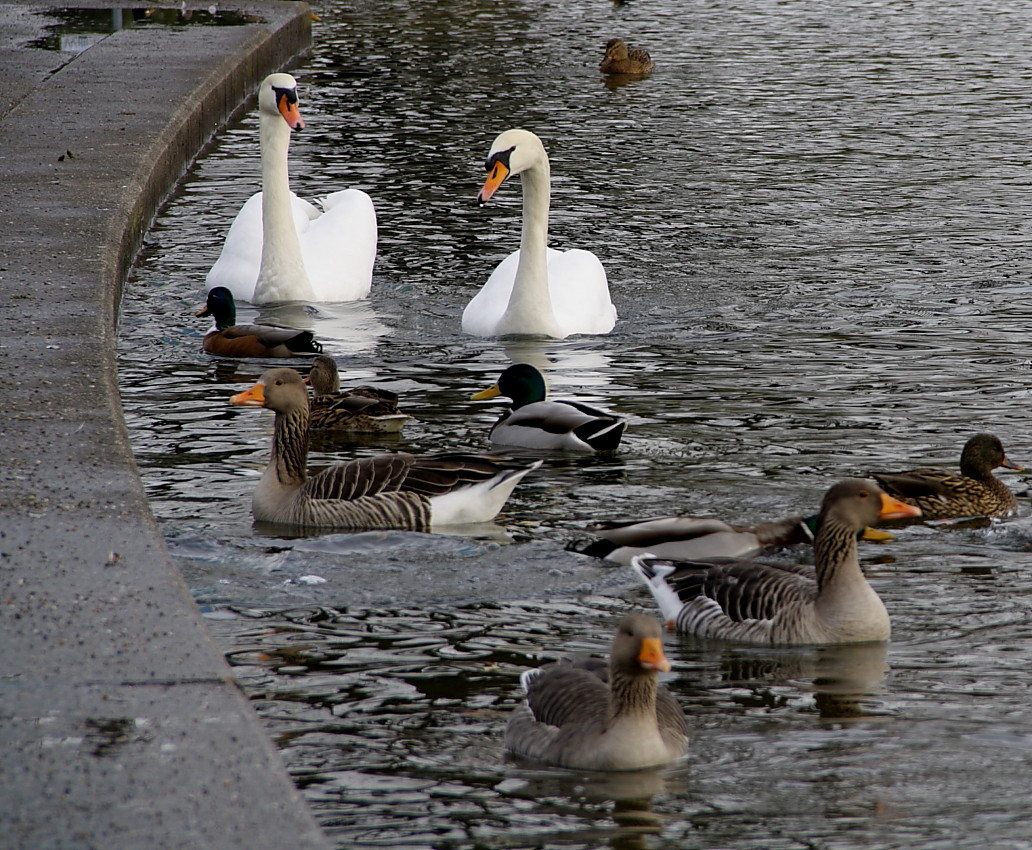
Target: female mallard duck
536 290
621 59
281 248
945 495
536 423
576 716
686 538
228 339
760 603
357 410
383 491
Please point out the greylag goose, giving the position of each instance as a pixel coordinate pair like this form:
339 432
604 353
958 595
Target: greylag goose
384 491
228 339
534 422
356 410
536 290
751 602
577 716
945 495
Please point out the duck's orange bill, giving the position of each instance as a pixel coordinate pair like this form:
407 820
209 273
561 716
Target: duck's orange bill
895 509
254 397
291 113
490 392
495 179
651 655
1008 465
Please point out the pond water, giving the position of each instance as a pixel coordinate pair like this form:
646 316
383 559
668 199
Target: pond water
813 218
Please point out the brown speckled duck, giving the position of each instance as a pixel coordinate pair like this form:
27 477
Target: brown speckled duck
357 410
750 602
228 339
583 715
621 59
945 495
395 490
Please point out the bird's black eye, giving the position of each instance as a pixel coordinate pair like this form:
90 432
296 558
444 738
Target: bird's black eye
502 157
863 494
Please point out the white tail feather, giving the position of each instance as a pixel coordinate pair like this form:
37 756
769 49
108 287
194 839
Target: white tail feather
654 576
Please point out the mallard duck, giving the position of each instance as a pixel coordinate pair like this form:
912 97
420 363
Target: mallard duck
536 290
577 716
686 538
383 491
945 495
357 410
536 423
750 602
228 339
621 59
281 248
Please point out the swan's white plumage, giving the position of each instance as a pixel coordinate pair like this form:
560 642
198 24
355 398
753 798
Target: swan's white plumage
328 253
539 290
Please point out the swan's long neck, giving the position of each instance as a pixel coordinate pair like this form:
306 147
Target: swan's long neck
530 305
281 276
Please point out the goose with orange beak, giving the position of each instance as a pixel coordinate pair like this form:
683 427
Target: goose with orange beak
751 602
587 715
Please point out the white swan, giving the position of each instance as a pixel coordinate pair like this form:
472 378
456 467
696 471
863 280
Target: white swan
281 248
537 290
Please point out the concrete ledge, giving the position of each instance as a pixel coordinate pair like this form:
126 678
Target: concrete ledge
120 725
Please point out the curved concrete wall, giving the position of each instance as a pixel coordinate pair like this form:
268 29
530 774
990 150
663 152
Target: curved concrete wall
120 725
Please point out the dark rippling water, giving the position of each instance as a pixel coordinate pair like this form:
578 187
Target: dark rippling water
813 218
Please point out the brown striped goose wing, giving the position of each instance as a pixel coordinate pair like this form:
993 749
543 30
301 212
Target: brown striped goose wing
566 692
367 476
744 590
432 475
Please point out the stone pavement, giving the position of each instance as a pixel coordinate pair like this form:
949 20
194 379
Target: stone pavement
120 725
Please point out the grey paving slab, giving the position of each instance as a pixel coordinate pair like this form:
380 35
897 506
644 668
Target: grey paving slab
120 725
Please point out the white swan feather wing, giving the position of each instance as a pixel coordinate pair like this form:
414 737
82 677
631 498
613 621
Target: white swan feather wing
577 286
338 245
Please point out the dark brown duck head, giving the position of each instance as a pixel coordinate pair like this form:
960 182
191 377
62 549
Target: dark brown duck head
982 454
324 377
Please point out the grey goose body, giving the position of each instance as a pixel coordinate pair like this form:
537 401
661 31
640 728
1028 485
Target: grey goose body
396 490
589 715
752 602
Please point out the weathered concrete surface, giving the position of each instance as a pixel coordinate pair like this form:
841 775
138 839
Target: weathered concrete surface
119 722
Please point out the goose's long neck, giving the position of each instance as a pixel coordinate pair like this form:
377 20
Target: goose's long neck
281 276
290 447
530 305
631 695
834 552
